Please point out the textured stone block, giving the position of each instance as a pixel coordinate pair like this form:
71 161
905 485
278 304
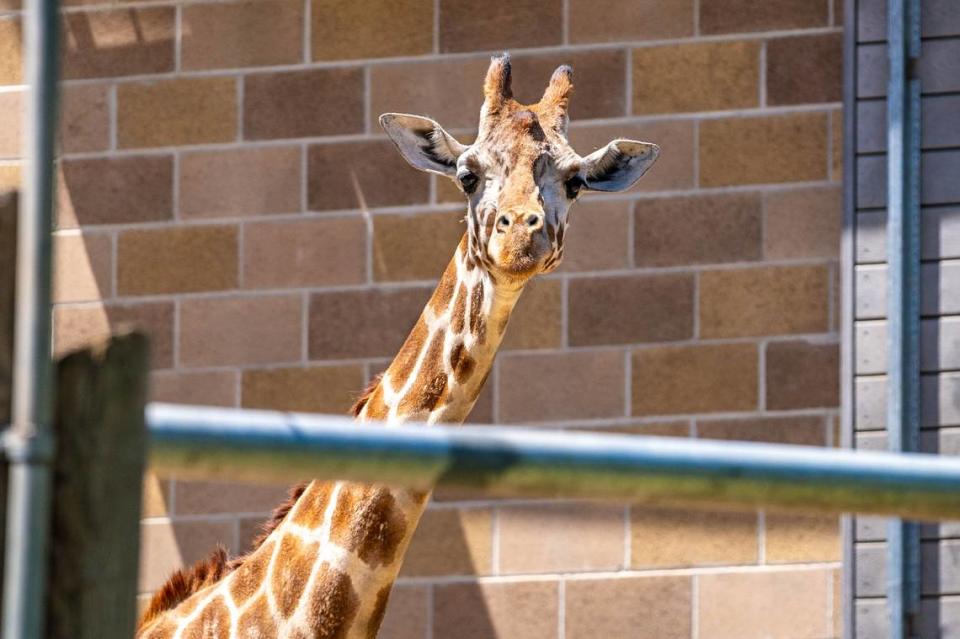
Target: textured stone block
131 41
451 541
315 389
415 247
129 189
502 24
294 104
666 538
628 607
750 150
151 114
694 379
630 309
342 30
771 300
295 253
716 76
241 34
177 260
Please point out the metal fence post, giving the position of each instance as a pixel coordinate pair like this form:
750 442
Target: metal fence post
903 296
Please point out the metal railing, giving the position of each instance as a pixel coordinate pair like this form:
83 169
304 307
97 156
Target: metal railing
208 443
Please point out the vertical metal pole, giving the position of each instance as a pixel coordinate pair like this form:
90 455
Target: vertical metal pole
903 296
28 441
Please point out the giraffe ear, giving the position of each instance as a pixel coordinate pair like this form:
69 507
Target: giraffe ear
618 165
423 142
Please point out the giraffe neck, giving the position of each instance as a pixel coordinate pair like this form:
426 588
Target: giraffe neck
327 569
442 366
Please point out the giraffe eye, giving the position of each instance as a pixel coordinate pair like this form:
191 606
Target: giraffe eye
469 182
574 185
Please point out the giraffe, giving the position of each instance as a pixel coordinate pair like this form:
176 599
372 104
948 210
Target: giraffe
325 564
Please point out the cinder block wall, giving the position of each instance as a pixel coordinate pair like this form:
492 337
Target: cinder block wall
215 158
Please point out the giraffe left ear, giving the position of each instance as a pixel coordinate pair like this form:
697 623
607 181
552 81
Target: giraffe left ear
423 142
618 165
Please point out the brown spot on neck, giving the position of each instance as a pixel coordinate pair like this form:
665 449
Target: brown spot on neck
478 325
458 316
257 621
430 384
368 521
406 359
246 579
333 604
462 364
313 504
291 570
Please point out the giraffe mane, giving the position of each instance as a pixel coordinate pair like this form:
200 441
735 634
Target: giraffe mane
187 581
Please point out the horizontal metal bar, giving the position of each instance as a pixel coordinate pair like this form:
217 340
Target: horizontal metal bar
212 443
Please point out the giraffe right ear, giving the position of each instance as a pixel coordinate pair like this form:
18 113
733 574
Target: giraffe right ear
423 142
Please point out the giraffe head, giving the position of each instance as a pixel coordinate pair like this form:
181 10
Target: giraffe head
521 175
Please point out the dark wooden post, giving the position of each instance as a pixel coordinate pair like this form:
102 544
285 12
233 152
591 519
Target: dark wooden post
8 261
97 481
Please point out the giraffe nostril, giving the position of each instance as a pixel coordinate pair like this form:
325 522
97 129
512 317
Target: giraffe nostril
533 220
503 221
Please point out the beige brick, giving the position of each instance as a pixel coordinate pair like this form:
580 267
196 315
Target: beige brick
801 538
303 103
165 547
304 253
536 320
129 189
614 21
354 175
242 34
667 538
316 389
80 326
761 605
752 150
345 30
801 431
653 429
694 379
156 496
629 309
804 69
716 76
802 375
151 114
503 24
414 247
11 114
249 181
11 60
84 119
599 238
206 388
699 229
483 610
564 537
249 330
772 300
724 16
83 267
366 323
220 497
451 541
625 608
177 260
836 145
673 170
130 41
803 223
579 385
407 613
